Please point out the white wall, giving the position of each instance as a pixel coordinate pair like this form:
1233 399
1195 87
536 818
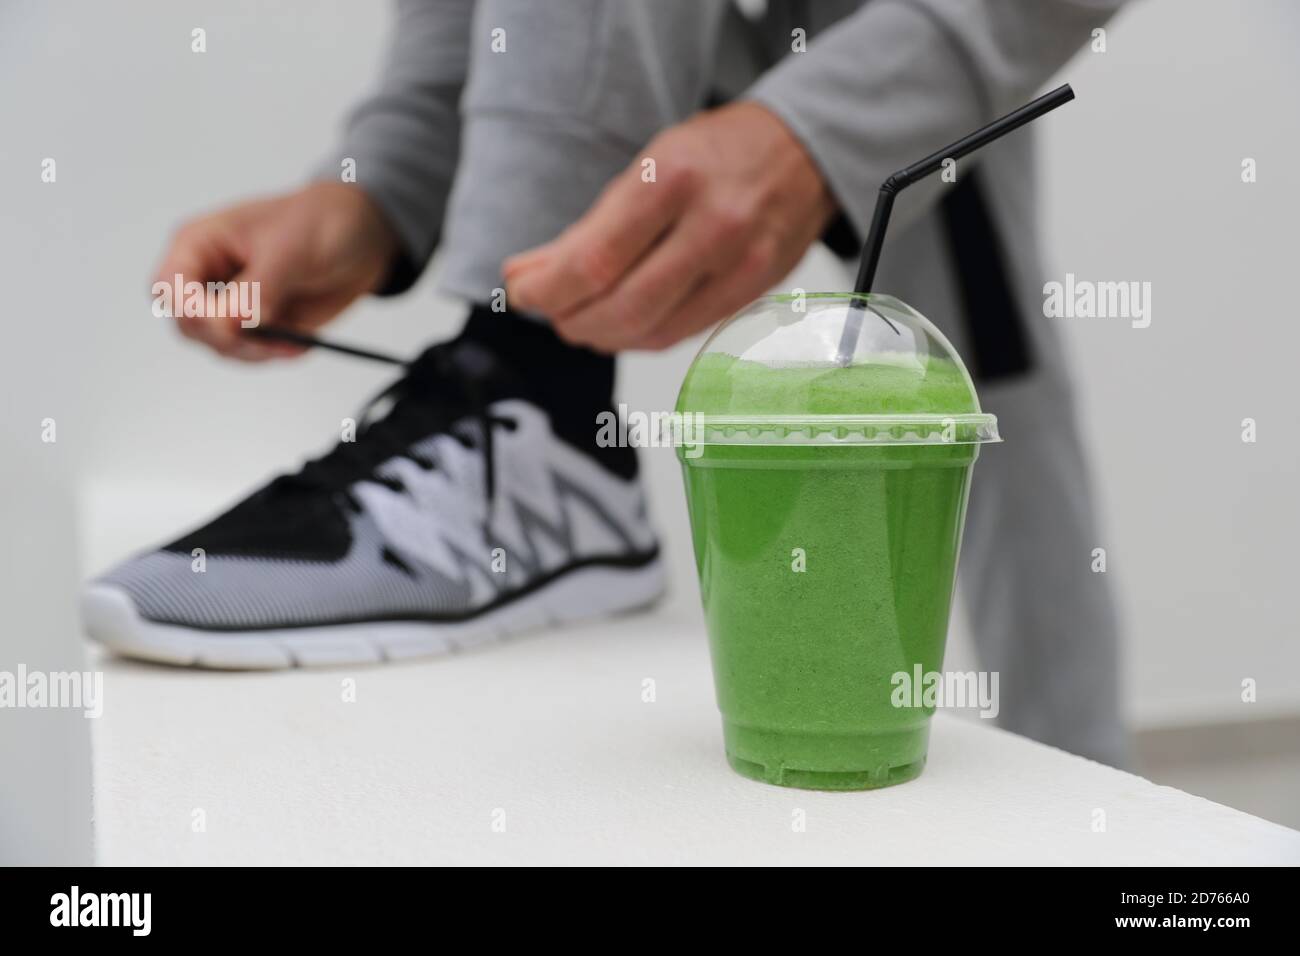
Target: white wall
1143 183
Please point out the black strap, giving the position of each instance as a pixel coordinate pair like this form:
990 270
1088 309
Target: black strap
997 332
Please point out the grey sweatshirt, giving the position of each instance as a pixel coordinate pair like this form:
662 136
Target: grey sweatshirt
497 122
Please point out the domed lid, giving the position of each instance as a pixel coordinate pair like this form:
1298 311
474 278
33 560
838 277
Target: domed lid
831 368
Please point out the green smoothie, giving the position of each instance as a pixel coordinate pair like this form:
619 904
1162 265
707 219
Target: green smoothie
826 564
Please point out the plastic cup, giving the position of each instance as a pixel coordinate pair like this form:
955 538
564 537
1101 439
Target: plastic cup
826 496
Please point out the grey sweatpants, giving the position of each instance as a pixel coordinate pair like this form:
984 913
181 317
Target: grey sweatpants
497 123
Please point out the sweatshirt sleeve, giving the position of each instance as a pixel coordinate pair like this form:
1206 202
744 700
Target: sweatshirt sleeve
404 137
898 79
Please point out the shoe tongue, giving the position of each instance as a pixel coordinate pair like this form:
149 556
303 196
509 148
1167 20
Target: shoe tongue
463 370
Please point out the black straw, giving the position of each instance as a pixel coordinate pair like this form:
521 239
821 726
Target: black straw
919 170
932 163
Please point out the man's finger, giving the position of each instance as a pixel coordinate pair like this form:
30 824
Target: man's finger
245 300
726 293
259 295
699 245
611 337
200 252
595 252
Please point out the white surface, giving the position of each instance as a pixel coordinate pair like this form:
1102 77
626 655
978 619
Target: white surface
552 732
45 793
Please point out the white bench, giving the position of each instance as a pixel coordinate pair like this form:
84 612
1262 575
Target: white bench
543 751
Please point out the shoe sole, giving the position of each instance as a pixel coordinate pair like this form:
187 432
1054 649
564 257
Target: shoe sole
111 619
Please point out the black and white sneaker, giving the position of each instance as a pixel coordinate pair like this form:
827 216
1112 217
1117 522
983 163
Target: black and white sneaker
460 516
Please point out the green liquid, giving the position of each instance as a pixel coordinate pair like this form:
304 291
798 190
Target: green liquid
804 659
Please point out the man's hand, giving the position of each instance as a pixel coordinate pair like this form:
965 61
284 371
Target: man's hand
734 204
312 252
